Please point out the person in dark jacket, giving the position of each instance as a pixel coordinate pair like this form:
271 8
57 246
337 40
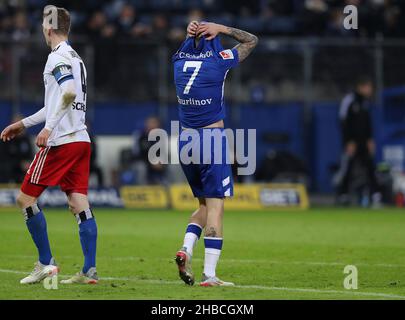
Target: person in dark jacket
16 157
156 173
358 142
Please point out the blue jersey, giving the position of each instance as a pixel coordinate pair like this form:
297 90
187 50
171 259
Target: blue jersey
199 75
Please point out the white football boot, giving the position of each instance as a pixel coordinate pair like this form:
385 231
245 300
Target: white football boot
214 282
90 277
41 272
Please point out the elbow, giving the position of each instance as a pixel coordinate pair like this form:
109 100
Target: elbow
255 41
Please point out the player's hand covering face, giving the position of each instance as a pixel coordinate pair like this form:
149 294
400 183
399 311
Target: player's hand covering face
192 28
208 30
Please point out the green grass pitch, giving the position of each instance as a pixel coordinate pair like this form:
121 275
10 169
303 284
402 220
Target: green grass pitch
269 255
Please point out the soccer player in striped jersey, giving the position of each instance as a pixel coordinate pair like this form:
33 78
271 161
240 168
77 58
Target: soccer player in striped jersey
200 68
64 155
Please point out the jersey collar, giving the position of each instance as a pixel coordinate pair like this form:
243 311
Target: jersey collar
60 44
199 47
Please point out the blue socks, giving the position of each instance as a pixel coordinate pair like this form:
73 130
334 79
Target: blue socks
36 224
213 243
88 238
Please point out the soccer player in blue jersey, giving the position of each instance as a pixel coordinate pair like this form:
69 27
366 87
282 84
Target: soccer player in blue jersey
200 68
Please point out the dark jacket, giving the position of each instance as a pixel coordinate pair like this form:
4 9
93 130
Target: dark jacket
355 120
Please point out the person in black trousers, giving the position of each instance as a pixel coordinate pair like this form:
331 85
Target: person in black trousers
358 143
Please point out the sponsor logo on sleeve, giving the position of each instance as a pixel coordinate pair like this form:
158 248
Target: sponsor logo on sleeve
226 54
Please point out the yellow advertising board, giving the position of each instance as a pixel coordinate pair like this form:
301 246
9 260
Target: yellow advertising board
179 197
282 196
245 197
248 197
145 197
182 198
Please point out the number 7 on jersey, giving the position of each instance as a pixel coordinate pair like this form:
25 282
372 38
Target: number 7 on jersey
191 64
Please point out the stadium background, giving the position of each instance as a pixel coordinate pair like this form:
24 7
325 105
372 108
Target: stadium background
290 91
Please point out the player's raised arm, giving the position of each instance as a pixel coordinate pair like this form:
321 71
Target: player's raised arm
247 41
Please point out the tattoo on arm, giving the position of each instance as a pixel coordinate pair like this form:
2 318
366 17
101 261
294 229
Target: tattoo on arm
247 41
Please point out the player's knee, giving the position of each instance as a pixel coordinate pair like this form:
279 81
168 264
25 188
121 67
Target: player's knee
77 204
216 213
72 209
20 201
72 206
23 201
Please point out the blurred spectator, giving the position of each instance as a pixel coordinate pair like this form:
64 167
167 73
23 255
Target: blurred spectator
128 23
371 17
5 168
335 26
126 20
394 19
95 169
195 14
110 18
243 8
19 30
357 169
314 17
156 173
99 27
286 7
160 27
15 157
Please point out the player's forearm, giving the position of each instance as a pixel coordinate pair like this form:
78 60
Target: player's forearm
66 99
247 41
239 35
34 119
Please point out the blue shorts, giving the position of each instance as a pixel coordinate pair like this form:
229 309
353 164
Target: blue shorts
204 158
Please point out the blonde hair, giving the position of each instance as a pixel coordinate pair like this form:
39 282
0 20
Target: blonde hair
63 21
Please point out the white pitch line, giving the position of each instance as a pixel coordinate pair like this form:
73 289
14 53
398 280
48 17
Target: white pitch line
257 287
247 261
252 261
358 293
